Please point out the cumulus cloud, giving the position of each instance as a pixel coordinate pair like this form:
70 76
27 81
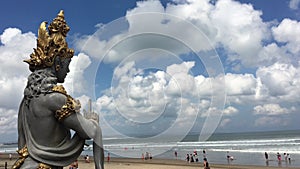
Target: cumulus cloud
8 118
272 115
288 31
270 109
239 84
75 81
280 80
225 122
236 28
294 4
15 46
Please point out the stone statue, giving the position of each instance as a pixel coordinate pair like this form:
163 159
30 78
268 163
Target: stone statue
47 113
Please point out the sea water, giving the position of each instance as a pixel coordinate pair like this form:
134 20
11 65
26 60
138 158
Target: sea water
246 148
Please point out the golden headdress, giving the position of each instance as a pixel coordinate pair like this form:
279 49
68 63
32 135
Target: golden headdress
50 44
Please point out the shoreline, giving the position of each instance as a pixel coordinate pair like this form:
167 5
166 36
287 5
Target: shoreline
137 163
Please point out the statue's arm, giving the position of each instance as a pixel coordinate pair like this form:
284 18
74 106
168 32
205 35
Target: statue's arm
88 129
85 128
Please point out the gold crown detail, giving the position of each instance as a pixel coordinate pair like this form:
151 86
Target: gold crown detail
50 44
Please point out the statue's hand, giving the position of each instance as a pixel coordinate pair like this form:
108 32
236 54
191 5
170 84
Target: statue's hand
77 106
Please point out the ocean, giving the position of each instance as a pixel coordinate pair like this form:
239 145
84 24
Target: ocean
246 148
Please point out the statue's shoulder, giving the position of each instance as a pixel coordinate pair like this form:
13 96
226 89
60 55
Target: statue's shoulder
59 89
55 98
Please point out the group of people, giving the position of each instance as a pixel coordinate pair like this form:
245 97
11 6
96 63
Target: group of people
146 156
193 157
287 156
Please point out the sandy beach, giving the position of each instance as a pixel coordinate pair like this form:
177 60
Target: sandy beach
134 163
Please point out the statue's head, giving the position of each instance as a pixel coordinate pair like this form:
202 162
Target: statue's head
52 50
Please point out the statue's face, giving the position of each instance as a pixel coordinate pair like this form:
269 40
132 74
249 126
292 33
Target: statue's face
64 70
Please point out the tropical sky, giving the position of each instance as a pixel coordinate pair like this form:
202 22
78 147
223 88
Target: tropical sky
165 67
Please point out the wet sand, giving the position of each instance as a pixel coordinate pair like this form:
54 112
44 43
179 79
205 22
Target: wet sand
134 163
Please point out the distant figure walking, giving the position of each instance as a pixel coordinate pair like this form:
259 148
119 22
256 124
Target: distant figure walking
278 157
285 156
108 157
229 157
266 156
204 153
196 157
205 164
192 158
87 159
175 153
74 165
187 158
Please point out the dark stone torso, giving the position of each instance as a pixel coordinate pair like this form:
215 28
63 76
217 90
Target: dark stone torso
44 127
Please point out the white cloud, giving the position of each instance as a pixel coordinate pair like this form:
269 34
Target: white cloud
239 84
288 31
240 30
213 111
230 111
270 110
16 46
225 122
294 4
8 119
76 82
182 82
280 80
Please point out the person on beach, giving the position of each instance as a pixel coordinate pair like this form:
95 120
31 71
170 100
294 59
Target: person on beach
192 158
175 153
266 156
108 157
285 156
74 165
278 156
206 164
47 114
229 157
87 159
196 157
187 158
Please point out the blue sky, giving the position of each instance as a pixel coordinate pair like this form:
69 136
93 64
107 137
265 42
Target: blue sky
166 67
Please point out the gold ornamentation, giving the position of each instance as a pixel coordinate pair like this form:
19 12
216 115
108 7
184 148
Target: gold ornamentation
67 109
71 106
43 166
60 89
23 154
50 44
